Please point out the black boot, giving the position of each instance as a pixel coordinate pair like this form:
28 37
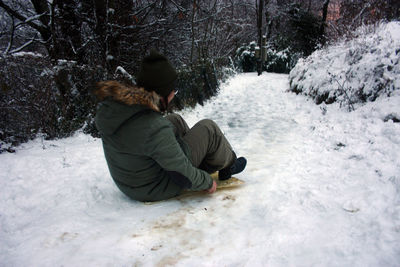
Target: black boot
235 168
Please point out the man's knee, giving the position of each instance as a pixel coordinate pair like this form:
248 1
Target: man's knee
176 120
174 117
208 123
211 126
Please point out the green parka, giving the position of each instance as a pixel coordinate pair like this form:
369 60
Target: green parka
145 159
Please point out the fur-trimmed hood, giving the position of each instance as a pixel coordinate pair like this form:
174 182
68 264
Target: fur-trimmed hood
120 102
128 95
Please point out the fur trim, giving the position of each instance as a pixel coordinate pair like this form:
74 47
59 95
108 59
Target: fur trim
129 95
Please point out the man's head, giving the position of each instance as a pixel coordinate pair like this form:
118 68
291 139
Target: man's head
157 74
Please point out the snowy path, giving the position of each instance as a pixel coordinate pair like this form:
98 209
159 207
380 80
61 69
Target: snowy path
322 189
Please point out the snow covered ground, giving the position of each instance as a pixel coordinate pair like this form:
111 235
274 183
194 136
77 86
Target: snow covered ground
353 71
322 189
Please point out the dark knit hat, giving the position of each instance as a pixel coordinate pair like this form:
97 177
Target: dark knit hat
157 74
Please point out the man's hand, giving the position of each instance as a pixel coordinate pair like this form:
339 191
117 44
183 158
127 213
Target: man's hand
213 188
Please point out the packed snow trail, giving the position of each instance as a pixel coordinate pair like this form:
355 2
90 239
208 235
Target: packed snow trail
322 189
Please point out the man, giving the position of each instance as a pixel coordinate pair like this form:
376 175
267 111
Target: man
151 157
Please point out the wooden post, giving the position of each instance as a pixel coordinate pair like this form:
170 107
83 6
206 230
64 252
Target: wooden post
257 52
264 49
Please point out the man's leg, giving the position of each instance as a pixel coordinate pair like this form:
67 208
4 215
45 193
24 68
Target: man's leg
210 150
180 125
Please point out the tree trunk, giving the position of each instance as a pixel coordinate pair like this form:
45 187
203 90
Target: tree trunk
69 40
323 22
192 29
259 26
268 21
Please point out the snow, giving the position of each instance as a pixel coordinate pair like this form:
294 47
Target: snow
124 73
24 54
366 67
322 189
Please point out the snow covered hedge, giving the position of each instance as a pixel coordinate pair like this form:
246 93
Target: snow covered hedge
278 61
40 98
352 72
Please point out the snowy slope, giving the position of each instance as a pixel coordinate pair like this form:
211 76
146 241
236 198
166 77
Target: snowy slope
353 71
323 189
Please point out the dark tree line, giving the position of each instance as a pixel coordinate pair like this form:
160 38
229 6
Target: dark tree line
292 29
118 33
298 25
112 33
363 12
305 25
76 43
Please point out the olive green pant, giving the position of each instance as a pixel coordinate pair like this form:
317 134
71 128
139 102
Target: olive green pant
210 150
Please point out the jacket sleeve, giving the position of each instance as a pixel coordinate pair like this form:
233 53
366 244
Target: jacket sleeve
163 147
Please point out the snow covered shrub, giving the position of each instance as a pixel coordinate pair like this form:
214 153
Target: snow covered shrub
53 99
226 70
352 71
37 98
75 104
245 58
280 61
27 101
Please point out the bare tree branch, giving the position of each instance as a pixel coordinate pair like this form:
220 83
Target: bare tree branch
182 9
368 5
22 18
10 43
22 47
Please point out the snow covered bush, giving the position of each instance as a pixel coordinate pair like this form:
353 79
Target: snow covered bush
38 97
26 99
76 105
279 61
352 71
245 57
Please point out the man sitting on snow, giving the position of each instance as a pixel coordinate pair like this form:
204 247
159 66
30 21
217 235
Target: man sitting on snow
151 157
